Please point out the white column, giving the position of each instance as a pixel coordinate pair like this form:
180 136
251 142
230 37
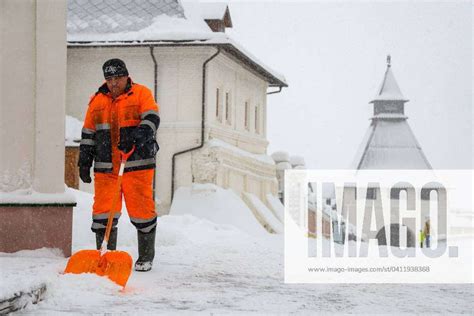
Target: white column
32 94
50 95
17 94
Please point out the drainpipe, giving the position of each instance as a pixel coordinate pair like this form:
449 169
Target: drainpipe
155 87
273 92
203 118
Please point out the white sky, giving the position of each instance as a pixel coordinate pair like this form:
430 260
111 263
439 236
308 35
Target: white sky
334 57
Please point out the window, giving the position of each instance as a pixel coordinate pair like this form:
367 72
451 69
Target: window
257 120
228 108
218 97
246 115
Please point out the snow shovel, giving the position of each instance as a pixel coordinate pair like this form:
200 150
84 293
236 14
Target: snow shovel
116 265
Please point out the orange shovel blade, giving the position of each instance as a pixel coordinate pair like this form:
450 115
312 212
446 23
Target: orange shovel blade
116 265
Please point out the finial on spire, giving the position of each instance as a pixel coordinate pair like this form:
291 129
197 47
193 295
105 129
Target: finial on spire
389 60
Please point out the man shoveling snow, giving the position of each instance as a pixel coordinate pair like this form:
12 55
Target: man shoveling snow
122 115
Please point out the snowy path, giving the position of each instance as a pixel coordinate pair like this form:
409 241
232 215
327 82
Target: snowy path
216 272
210 268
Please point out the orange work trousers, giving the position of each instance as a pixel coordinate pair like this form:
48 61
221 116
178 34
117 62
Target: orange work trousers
137 190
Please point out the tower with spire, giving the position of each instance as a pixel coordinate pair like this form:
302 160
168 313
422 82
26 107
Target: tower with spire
389 142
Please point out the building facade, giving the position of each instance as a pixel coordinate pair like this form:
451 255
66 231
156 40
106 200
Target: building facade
213 74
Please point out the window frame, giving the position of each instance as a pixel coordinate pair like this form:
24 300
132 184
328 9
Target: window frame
228 107
257 119
218 111
247 115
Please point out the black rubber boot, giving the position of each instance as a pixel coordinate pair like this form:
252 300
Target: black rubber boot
99 238
146 250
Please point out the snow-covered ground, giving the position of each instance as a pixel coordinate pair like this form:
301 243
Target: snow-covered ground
203 266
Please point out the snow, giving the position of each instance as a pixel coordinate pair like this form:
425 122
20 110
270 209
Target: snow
260 157
381 149
217 205
206 267
276 206
73 131
29 196
283 165
251 56
264 214
393 116
389 90
213 11
281 156
14 266
163 28
297 161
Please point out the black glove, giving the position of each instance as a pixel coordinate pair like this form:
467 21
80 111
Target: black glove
144 140
125 143
85 174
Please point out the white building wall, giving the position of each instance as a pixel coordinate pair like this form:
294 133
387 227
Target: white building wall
32 95
232 170
50 95
244 86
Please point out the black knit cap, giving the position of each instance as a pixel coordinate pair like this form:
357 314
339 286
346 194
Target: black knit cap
114 68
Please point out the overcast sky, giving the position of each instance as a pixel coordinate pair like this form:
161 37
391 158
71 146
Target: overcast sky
333 56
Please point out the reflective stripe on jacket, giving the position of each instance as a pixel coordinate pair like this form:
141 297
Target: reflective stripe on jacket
109 121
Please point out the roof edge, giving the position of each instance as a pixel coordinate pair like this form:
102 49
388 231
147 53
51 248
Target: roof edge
230 48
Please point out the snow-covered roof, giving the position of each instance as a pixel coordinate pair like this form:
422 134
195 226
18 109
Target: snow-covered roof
153 22
389 89
390 144
106 17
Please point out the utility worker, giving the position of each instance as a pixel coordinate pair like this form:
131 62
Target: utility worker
122 114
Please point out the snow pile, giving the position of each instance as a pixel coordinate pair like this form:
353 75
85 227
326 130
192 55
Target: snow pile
276 206
217 205
264 215
281 156
297 162
212 10
15 270
163 28
73 131
285 161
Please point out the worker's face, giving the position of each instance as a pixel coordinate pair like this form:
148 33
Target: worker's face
116 85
